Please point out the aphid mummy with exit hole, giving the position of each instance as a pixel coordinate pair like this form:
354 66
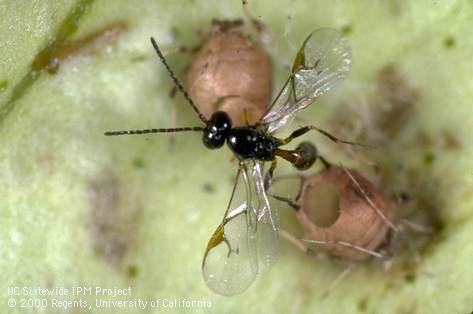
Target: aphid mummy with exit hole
231 73
343 214
249 231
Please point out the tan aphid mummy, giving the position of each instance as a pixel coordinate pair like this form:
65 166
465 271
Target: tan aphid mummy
230 73
333 209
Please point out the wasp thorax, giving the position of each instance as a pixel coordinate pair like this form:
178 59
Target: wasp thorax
216 130
230 73
334 210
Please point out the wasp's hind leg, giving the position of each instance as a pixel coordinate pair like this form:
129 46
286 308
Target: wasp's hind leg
290 238
303 130
299 244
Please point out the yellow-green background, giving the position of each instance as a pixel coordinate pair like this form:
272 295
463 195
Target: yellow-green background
81 209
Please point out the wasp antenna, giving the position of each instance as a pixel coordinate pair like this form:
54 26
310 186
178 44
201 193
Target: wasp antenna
147 131
176 81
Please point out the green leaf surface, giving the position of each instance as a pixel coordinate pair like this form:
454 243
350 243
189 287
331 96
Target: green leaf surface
82 209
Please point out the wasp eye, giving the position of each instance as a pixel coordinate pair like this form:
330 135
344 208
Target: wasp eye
216 130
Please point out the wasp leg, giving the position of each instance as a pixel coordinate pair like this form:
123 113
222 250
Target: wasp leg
348 245
296 242
286 200
325 162
268 179
293 90
299 192
301 131
293 240
288 236
338 280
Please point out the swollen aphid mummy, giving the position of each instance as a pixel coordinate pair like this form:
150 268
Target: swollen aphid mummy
343 211
230 73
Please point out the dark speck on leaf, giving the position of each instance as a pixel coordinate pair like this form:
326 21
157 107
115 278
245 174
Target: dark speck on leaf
405 197
363 305
429 158
450 142
410 278
132 271
113 218
398 95
346 29
449 42
209 188
138 163
3 85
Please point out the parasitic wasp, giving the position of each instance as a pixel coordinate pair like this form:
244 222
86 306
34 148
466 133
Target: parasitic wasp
248 235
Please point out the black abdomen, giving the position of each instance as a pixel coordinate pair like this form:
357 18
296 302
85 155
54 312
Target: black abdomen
247 143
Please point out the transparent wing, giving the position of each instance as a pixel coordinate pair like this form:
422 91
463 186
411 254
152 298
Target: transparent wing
230 263
267 228
323 61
